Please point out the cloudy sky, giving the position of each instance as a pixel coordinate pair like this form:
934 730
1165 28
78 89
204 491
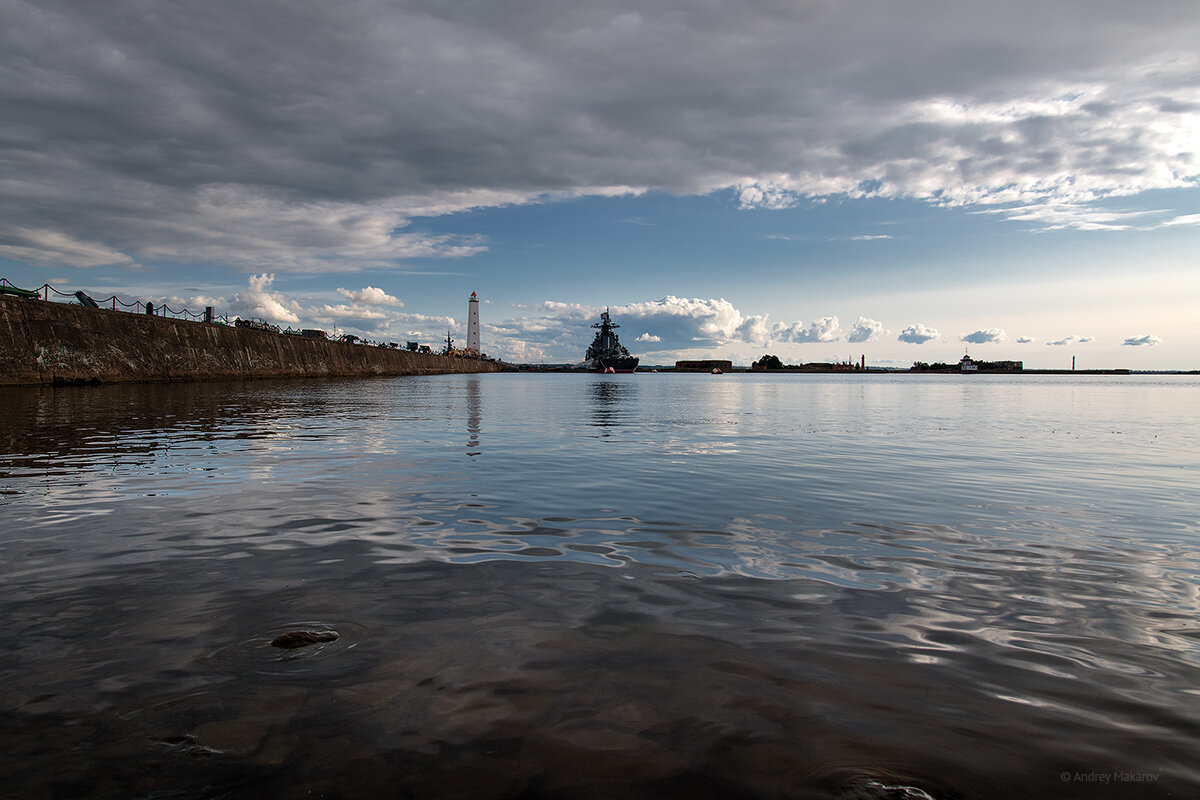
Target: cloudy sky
817 179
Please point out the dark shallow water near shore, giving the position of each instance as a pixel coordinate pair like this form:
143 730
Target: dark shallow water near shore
603 586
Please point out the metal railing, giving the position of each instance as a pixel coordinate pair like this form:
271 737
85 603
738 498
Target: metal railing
51 294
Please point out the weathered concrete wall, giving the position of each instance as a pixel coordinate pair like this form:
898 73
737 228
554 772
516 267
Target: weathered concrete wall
45 343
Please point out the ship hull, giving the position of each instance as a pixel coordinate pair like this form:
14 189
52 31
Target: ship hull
615 363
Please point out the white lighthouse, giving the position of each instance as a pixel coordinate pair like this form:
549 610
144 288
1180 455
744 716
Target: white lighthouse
473 325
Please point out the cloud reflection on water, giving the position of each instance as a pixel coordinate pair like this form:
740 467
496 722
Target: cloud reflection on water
755 586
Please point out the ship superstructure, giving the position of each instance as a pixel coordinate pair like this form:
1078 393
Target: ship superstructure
606 353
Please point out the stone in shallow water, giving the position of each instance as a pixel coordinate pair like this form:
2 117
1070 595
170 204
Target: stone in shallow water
188 745
877 790
293 639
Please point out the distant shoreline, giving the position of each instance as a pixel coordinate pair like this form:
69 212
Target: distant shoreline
569 369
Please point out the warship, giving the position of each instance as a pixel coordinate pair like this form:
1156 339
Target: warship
606 353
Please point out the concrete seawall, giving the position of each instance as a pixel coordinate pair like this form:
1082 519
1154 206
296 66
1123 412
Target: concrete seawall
49 343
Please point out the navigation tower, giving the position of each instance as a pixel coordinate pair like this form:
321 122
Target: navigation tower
473 325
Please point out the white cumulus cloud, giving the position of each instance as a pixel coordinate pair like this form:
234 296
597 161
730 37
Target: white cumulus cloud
258 301
371 296
825 329
700 327
698 320
867 330
918 334
1145 339
984 336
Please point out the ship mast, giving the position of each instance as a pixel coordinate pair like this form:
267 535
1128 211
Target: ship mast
605 323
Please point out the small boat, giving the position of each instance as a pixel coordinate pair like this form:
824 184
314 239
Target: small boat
717 371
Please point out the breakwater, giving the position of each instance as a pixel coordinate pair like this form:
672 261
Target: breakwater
55 343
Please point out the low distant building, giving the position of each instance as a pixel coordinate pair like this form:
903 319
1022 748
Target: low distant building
769 362
828 366
969 365
707 365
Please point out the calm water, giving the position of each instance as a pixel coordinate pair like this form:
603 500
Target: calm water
559 586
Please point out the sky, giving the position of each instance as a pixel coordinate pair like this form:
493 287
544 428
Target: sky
821 180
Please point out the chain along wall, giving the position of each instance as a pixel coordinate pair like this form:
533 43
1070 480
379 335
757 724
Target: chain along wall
55 343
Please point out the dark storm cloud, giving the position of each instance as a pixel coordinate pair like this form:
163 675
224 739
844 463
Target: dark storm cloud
303 136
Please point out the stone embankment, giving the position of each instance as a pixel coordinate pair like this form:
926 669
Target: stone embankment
54 343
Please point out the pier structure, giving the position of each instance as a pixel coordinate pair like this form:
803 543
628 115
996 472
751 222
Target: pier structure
59 344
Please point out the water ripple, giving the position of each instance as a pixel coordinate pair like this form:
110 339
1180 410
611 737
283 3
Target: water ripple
567 586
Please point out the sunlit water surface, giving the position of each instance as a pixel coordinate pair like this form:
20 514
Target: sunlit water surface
603 586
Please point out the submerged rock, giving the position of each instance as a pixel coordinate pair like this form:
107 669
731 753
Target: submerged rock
293 639
188 745
878 790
